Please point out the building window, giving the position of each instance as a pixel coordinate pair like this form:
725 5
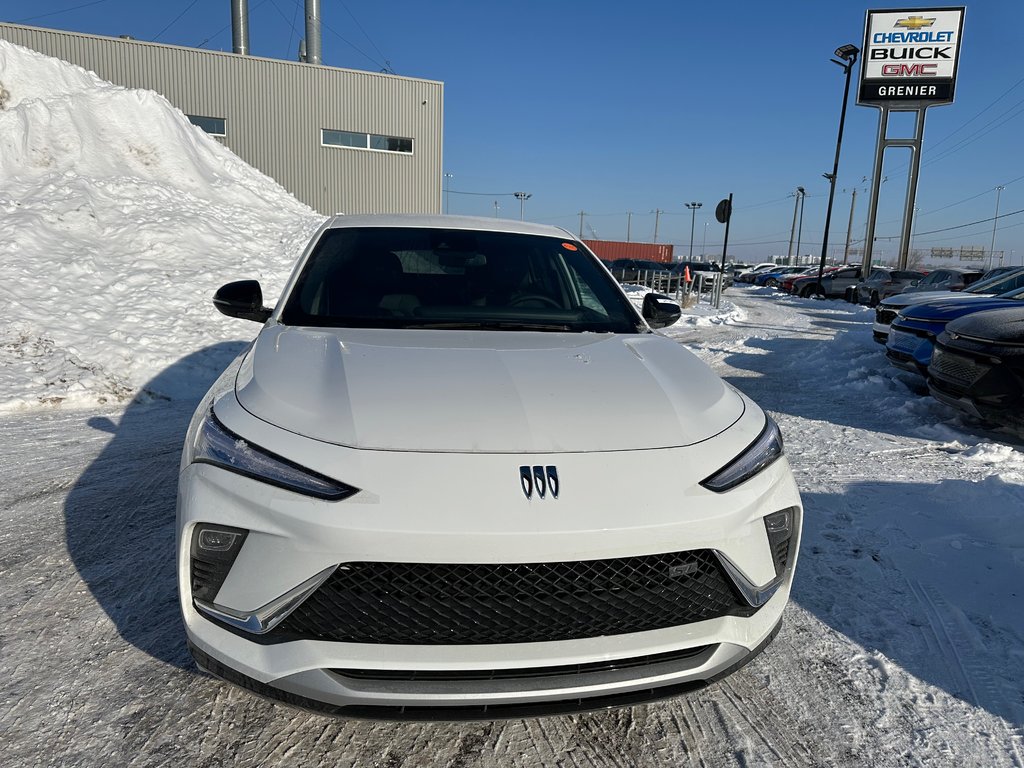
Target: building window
357 140
215 126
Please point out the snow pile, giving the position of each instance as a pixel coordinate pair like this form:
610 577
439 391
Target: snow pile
118 220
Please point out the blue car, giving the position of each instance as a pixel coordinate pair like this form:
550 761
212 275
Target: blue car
773 277
912 334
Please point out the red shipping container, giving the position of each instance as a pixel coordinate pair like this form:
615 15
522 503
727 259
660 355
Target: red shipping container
609 250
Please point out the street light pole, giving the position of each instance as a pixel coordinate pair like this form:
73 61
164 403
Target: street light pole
447 191
693 219
522 197
848 54
704 243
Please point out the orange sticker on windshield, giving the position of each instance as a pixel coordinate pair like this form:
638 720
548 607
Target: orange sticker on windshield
569 247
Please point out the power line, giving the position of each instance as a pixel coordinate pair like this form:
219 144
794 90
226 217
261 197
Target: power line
175 20
968 199
58 13
995 101
378 50
325 25
972 223
484 194
286 21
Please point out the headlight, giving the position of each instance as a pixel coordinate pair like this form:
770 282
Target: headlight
758 455
214 444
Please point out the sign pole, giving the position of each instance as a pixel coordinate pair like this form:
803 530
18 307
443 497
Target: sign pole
724 214
909 63
915 172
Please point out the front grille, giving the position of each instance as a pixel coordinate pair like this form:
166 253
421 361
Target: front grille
905 342
441 604
885 316
961 370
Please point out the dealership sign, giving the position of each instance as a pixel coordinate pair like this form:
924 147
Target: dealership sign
910 55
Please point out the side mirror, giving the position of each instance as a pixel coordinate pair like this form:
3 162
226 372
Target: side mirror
242 299
660 311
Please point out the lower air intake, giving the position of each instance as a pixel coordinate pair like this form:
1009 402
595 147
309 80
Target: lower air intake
441 604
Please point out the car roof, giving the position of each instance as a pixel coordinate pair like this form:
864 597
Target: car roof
436 221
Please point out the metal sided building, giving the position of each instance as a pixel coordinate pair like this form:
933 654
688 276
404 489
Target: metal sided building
340 140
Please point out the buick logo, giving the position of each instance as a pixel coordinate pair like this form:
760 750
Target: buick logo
539 480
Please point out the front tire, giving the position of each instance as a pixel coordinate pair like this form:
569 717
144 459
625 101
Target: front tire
875 299
808 291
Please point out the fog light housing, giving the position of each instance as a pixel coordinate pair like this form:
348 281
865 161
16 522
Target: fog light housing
780 527
213 552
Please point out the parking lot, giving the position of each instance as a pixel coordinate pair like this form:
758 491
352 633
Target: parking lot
901 645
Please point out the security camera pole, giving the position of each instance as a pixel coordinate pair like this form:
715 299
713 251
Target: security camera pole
848 54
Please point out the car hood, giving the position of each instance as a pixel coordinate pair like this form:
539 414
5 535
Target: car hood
909 299
949 309
488 392
1001 326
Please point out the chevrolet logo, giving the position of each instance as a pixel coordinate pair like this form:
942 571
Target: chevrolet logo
914 22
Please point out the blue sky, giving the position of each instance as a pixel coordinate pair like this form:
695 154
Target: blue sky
609 108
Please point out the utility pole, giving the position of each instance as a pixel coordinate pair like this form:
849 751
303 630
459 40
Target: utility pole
522 197
495 209
629 224
792 229
447 192
693 218
657 216
865 268
995 221
582 214
800 226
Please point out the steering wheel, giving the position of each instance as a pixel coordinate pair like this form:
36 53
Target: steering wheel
546 301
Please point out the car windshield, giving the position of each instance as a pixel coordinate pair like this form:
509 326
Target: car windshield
411 277
999 283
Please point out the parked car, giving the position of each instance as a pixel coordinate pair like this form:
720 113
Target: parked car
786 284
631 270
409 497
736 269
747 276
912 334
945 279
993 283
978 366
707 267
832 283
883 283
772 277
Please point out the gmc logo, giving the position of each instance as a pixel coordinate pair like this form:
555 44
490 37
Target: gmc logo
909 70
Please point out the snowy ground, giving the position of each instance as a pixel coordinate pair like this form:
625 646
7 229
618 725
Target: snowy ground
902 645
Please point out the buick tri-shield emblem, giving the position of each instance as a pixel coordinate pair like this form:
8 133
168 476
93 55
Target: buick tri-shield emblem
539 480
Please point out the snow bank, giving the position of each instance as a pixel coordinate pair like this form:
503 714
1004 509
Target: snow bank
118 220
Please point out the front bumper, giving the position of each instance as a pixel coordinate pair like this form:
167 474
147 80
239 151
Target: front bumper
909 351
611 505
